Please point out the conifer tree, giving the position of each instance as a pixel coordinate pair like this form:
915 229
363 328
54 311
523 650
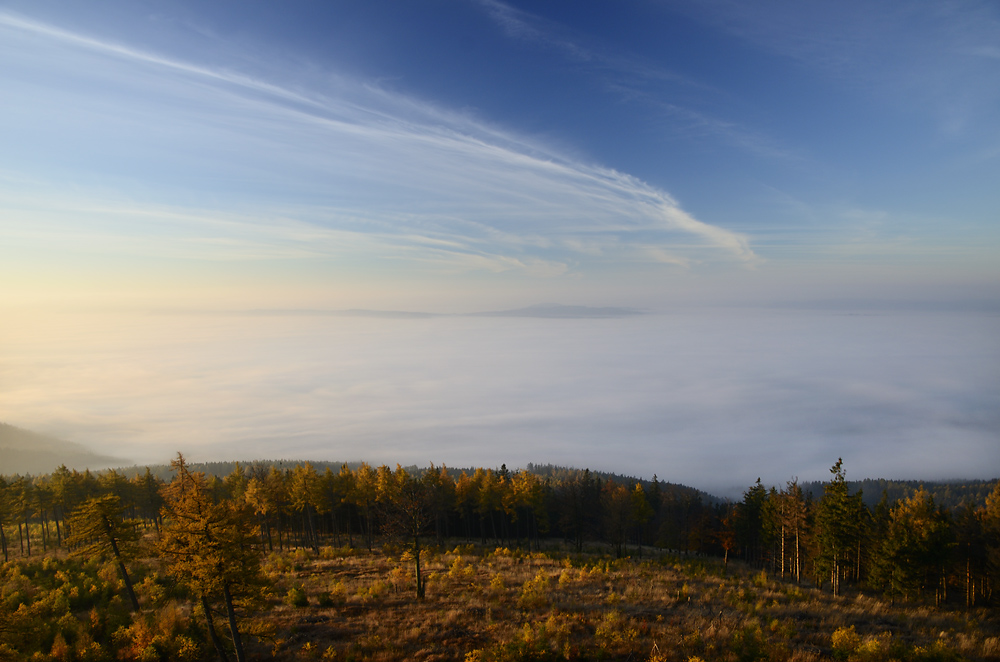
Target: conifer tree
642 512
209 545
305 492
98 526
792 520
616 504
838 522
990 517
440 488
343 490
750 522
365 493
916 545
406 508
4 516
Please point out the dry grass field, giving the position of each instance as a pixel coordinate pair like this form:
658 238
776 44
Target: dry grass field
501 604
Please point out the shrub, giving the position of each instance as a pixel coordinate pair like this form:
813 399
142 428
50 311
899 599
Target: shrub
749 644
534 592
460 569
497 584
615 631
296 597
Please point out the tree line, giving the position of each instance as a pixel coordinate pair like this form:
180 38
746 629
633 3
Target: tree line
908 548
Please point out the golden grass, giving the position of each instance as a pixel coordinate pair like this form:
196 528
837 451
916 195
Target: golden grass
503 604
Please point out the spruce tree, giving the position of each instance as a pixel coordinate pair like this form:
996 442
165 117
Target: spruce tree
839 519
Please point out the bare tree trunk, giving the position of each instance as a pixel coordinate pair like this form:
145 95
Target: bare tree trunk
416 559
213 635
121 566
312 530
782 550
798 561
968 582
233 629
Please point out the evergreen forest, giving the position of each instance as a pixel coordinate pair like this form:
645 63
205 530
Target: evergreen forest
355 562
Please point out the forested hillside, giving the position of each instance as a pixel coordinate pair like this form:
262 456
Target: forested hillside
26 452
949 495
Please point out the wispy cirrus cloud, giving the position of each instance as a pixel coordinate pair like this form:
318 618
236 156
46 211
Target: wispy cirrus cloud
263 169
938 57
639 81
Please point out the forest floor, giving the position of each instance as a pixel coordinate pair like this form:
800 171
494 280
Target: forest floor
486 604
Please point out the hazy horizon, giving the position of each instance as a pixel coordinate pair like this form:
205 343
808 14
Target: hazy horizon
801 199
711 399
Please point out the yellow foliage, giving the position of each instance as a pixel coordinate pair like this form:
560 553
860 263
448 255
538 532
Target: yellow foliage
534 592
60 649
497 584
615 630
845 640
461 569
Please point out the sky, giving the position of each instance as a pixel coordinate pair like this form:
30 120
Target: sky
801 199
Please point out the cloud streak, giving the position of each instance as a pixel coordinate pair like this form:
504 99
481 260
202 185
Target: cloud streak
633 80
934 56
271 171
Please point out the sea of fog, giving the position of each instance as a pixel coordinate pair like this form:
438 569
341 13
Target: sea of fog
709 398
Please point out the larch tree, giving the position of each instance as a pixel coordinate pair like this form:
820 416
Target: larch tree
616 501
209 546
4 516
642 512
407 511
365 494
306 493
990 517
916 546
99 526
794 523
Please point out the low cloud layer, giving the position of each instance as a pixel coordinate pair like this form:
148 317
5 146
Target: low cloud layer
709 399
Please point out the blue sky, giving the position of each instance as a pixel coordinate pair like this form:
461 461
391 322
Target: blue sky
579 151
450 156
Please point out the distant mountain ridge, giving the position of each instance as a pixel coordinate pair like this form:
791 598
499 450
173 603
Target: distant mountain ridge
947 494
26 452
539 311
554 310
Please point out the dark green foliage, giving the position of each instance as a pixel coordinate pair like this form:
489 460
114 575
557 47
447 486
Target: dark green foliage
841 521
296 597
749 644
